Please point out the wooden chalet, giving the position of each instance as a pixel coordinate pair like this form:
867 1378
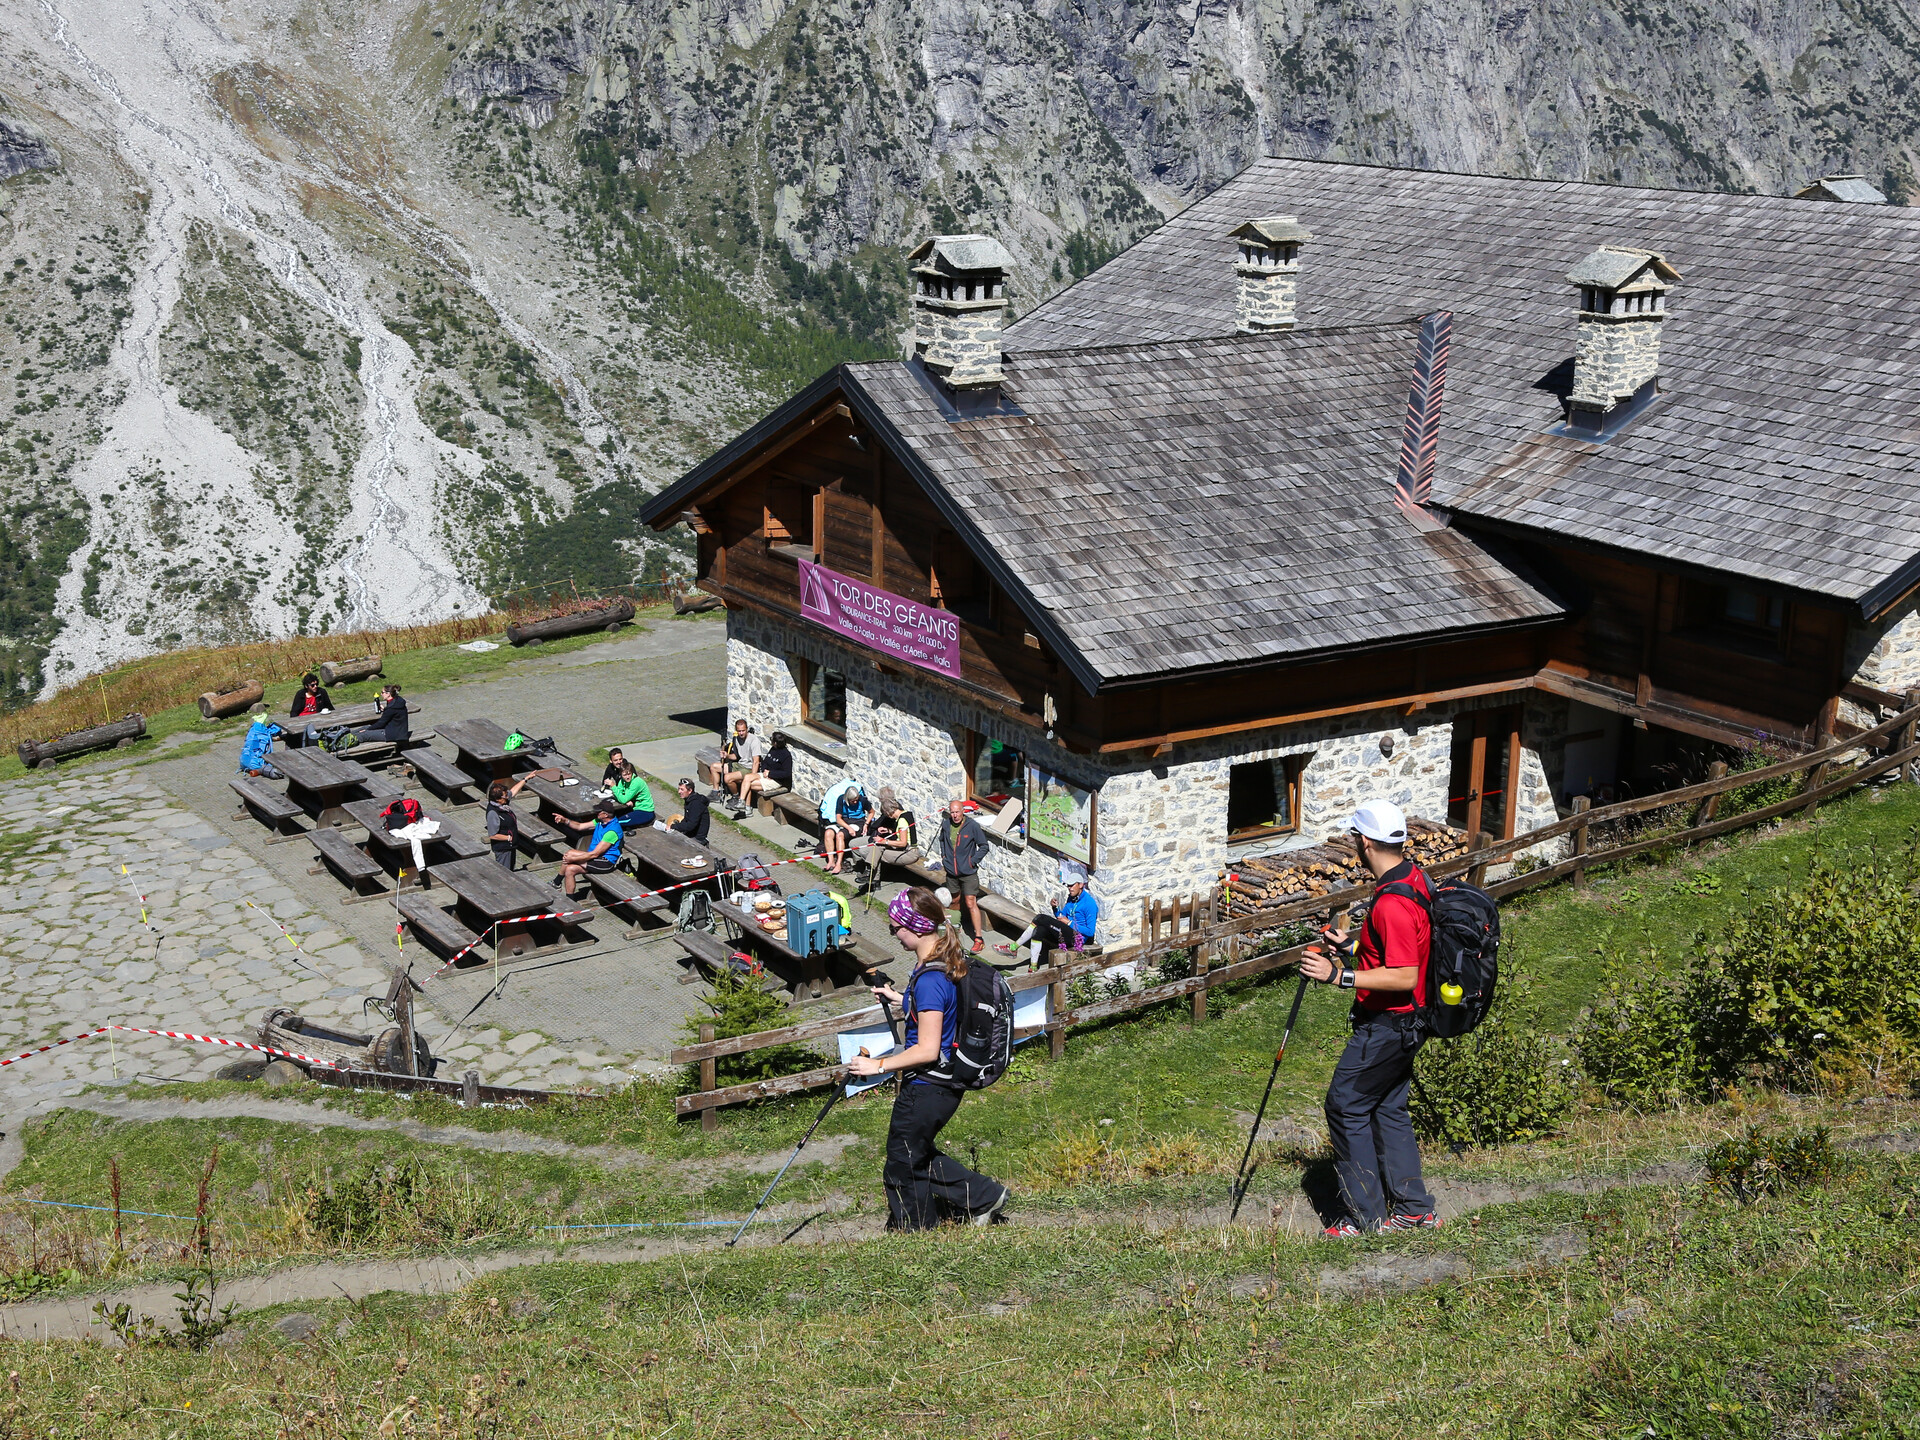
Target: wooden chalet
1476 494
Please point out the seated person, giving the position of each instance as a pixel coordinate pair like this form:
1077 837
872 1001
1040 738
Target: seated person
630 792
1071 926
309 700
603 850
851 817
739 759
256 753
696 820
891 831
389 725
616 757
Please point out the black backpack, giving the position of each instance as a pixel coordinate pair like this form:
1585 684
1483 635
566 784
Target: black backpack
1465 953
983 1038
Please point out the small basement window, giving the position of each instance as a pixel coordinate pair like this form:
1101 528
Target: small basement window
823 699
996 772
1263 797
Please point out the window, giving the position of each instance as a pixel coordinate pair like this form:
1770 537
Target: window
823 698
1740 617
787 518
996 772
1263 797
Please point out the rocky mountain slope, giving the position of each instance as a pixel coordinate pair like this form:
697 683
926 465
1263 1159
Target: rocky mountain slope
328 312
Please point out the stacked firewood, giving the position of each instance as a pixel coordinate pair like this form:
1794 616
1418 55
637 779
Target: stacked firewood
1296 875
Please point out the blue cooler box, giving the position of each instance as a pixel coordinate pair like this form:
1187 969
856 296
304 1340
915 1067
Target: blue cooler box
813 923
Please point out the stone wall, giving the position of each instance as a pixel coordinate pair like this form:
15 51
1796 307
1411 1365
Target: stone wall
1614 355
1161 828
1268 292
1887 656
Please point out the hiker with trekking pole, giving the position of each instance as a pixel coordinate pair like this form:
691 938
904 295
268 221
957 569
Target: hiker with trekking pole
1427 952
959 1037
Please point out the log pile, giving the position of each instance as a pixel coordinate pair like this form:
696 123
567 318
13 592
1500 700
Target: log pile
1296 875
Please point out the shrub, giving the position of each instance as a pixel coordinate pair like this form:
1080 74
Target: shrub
1506 1081
1815 984
741 1007
1755 1164
406 1203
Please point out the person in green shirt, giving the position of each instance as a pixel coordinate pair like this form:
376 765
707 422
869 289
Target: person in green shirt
631 789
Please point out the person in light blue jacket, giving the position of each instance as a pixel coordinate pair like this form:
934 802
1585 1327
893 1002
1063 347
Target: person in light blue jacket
1072 926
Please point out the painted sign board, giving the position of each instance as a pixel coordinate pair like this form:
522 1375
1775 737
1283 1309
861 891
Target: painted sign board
887 624
1061 815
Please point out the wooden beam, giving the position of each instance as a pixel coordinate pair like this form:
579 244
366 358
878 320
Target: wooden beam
1727 730
1514 752
777 448
1519 680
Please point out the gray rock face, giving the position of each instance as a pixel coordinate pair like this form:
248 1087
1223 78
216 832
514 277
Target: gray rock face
21 150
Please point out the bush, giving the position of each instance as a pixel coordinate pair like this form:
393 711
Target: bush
1756 1164
1506 1081
741 1007
406 1203
1814 985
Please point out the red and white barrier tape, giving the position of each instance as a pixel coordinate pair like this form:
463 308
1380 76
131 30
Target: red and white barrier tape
510 920
171 1035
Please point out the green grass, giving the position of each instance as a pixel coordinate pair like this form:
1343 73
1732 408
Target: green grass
1652 1311
416 672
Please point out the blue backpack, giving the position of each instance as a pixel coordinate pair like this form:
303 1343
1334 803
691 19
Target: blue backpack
256 750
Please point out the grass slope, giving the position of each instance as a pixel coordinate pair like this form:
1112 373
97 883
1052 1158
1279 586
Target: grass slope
1652 1311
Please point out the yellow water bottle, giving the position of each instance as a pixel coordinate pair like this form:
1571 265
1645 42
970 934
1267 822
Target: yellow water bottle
1451 994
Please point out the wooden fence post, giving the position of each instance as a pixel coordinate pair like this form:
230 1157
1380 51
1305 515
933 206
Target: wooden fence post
1710 806
1477 874
1057 1040
709 1080
1816 776
1204 914
1909 734
1581 804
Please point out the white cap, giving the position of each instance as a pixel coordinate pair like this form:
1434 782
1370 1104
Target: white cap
1381 821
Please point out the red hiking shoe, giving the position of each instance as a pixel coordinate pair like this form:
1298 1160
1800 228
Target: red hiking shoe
1425 1221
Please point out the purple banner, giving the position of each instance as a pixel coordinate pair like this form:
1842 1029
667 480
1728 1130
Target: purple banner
888 624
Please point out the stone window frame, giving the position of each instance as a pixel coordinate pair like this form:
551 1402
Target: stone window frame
1295 764
804 669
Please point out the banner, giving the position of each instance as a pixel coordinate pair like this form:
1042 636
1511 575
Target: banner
888 624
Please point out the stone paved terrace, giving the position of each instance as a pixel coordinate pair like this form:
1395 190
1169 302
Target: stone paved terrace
74 953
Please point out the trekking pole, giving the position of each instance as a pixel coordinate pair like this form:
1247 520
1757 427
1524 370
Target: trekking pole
832 1100
1243 1178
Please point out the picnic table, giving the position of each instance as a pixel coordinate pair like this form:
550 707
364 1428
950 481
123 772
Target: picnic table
479 742
395 854
318 782
490 893
576 802
810 972
663 851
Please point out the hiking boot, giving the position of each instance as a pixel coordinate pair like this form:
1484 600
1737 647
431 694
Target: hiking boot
1426 1220
992 1214
1343 1229
978 946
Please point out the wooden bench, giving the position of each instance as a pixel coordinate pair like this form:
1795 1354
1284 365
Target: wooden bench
435 926
617 888
536 835
442 776
344 859
764 797
798 811
915 864
1004 912
709 955
378 787
274 811
705 762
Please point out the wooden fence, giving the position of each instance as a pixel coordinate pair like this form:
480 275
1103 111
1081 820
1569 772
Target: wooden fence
1215 946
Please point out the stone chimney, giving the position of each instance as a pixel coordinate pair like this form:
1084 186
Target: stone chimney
1623 303
959 303
1269 271
1845 189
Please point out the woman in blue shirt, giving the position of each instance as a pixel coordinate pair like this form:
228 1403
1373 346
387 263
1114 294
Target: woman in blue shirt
1071 926
925 1187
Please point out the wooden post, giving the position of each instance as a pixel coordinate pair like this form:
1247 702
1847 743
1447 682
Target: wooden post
403 1009
1204 914
1581 804
1477 875
1057 1040
1710 806
470 1089
1909 735
709 1117
1815 776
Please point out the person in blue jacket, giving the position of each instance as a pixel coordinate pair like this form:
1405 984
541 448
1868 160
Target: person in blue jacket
256 751
1071 926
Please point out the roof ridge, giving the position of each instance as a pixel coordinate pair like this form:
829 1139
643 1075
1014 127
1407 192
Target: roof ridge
1362 327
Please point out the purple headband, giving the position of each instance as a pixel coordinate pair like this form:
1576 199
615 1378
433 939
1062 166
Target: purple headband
904 916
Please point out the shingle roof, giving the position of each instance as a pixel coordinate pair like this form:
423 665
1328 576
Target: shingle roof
1787 449
1207 503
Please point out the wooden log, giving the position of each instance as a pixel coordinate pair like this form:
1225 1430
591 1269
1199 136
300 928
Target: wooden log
98 737
342 672
216 704
1711 805
709 1117
607 617
692 602
1581 804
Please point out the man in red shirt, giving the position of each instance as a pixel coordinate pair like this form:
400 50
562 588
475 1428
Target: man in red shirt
1375 1154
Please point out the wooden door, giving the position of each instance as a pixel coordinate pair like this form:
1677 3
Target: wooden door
1481 793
